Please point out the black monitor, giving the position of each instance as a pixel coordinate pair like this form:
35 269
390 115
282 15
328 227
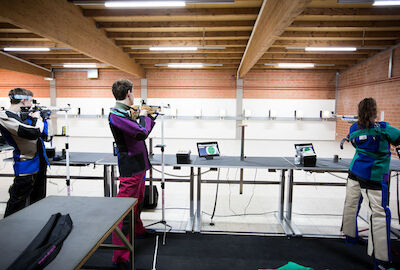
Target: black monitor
398 151
208 149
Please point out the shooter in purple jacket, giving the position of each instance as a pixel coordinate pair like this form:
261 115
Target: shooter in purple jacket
129 131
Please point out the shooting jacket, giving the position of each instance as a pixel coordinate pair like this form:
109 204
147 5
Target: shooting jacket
372 158
25 134
130 136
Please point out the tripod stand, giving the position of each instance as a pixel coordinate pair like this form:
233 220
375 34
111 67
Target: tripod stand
162 221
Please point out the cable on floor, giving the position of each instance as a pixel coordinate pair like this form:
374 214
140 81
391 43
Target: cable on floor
241 215
252 195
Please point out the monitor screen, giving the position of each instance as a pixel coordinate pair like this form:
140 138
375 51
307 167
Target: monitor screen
305 148
208 149
398 151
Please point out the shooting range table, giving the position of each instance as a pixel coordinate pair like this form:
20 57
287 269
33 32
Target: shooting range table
283 164
90 228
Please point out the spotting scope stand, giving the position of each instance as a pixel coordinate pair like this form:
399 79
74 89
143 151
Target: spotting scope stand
162 147
67 161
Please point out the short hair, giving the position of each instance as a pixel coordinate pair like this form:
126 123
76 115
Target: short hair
19 91
121 87
367 112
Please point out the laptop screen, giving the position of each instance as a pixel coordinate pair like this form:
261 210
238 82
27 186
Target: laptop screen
208 149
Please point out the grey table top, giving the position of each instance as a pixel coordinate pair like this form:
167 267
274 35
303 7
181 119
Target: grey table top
323 164
169 160
89 227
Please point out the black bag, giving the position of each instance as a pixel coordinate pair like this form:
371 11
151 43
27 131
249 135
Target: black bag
46 245
146 202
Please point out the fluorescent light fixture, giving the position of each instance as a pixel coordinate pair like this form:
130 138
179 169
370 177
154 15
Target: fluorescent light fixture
173 48
26 49
296 65
386 3
79 65
143 4
330 49
184 65
48 79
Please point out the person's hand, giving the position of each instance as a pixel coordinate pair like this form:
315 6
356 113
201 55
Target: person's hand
143 113
35 114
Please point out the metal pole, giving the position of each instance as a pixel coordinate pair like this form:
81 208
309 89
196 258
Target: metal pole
151 195
241 181
106 181
131 237
198 213
113 182
191 193
68 181
282 194
290 196
241 158
242 143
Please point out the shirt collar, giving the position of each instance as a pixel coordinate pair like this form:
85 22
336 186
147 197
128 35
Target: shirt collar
121 105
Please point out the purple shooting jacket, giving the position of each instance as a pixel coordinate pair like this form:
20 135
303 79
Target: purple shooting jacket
130 136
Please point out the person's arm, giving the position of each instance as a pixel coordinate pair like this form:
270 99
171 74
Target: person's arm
393 135
25 131
138 131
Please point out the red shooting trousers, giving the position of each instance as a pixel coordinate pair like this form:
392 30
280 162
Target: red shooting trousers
130 187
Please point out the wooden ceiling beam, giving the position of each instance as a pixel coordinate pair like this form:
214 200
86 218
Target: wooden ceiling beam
65 23
191 12
302 51
9 62
188 56
340 35
148 43
177 26
170 35
334 43
63 61
273 18
344 26
314 56
30 44
387 11
50 53
9 28
54 56
315 61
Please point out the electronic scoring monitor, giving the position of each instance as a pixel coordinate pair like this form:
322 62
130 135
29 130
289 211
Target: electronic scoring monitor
208 149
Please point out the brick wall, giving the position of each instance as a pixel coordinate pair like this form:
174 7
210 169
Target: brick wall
294 84
76 84
12 79
182 84
370 79
191 84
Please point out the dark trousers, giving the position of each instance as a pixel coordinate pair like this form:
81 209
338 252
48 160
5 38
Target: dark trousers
27 190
